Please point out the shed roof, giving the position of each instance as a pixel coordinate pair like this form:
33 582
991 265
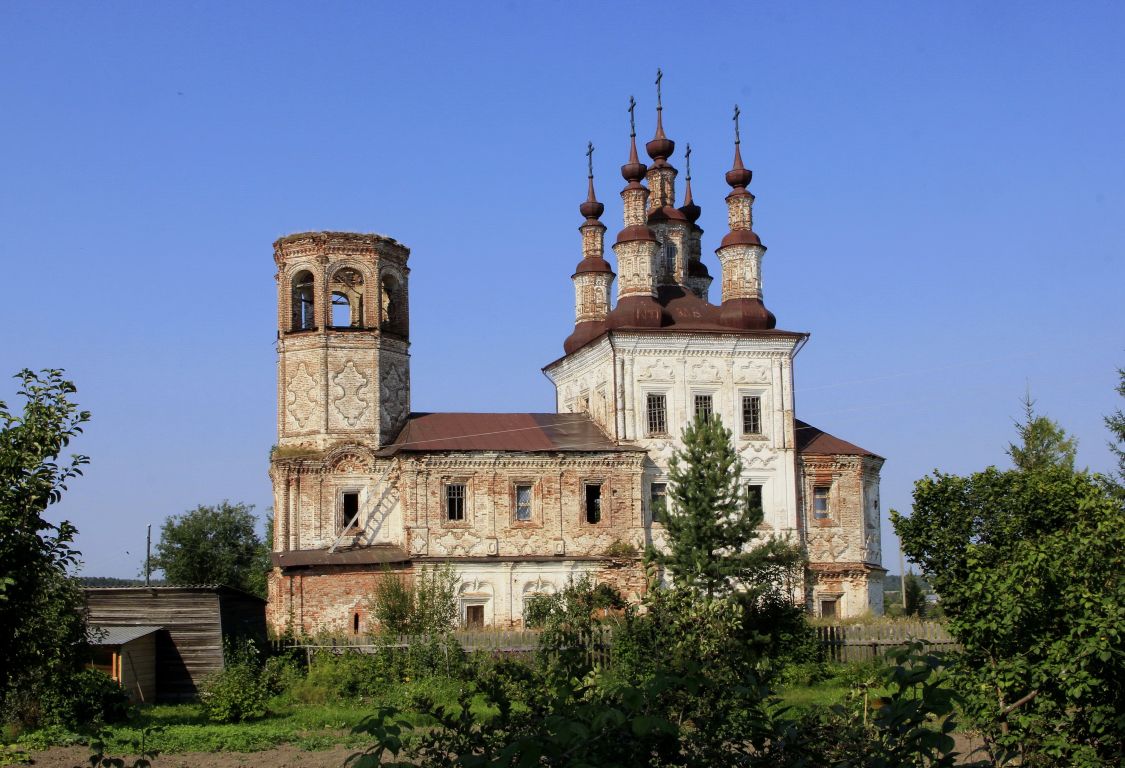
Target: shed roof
99 634
523 432
221 589
815 441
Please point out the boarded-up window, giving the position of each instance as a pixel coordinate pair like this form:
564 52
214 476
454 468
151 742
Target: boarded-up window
828 609
474 616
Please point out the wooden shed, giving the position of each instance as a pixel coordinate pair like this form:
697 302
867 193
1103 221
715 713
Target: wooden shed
191 624
128 655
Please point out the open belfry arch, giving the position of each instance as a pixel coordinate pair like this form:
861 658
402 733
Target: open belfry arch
522 503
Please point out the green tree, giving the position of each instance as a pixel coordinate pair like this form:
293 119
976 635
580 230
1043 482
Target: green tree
915 596
1028 565
212 545
711 526
1042 442
425 606
42 642
1116 424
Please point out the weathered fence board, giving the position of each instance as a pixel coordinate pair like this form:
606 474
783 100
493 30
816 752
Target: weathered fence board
864 642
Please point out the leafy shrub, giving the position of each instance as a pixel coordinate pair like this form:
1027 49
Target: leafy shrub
281 673
237 693
428 605
92 698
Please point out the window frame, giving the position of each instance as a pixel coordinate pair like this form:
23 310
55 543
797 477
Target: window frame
342 516
652 516
586 485
743 396
531 505
826 516
649 411
696 395
447 486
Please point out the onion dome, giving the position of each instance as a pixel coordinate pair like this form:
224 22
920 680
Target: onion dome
660 148
591 208
634 170
738 176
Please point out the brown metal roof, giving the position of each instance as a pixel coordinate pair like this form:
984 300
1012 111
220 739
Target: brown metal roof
374 555
814 441
502 432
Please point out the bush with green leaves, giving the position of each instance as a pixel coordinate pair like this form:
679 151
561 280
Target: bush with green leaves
93 699
422 606
235 694
42 644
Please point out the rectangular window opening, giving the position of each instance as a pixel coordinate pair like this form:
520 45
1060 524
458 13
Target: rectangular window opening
821 508
523 502
658 502
828 609
754 498
349 509
751 415
455 501
703 407
593 503
474 616
656 409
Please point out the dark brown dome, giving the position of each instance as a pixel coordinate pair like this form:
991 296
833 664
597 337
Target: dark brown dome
740 237
696 268
665 213
635 232
591 209
593 264
747 315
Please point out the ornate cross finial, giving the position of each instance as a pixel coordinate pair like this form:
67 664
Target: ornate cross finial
632 122
590 159
659 77
737 112
687 160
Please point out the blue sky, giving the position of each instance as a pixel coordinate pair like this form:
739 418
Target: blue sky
941 187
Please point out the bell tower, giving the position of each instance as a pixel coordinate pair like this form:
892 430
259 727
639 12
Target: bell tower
343 339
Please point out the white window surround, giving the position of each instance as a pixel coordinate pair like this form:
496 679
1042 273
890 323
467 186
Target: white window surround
765 413
642 413
716 401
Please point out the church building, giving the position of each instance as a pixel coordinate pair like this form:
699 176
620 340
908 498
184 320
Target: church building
521 503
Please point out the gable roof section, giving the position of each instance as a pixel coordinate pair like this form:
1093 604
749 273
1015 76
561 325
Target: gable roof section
525 432
814 441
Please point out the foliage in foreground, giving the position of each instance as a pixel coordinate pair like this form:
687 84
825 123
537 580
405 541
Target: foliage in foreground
425 606
1029 564
42 645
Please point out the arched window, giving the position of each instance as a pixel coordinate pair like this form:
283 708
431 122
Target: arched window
303 318
390 309
347 298
341 310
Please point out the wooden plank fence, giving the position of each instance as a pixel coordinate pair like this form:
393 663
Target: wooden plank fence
864 642
509 642
842 642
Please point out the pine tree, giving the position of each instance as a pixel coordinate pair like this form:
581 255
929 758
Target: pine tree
711 526
1043 443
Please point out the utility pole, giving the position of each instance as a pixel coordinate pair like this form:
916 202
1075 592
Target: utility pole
147 556
901 578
